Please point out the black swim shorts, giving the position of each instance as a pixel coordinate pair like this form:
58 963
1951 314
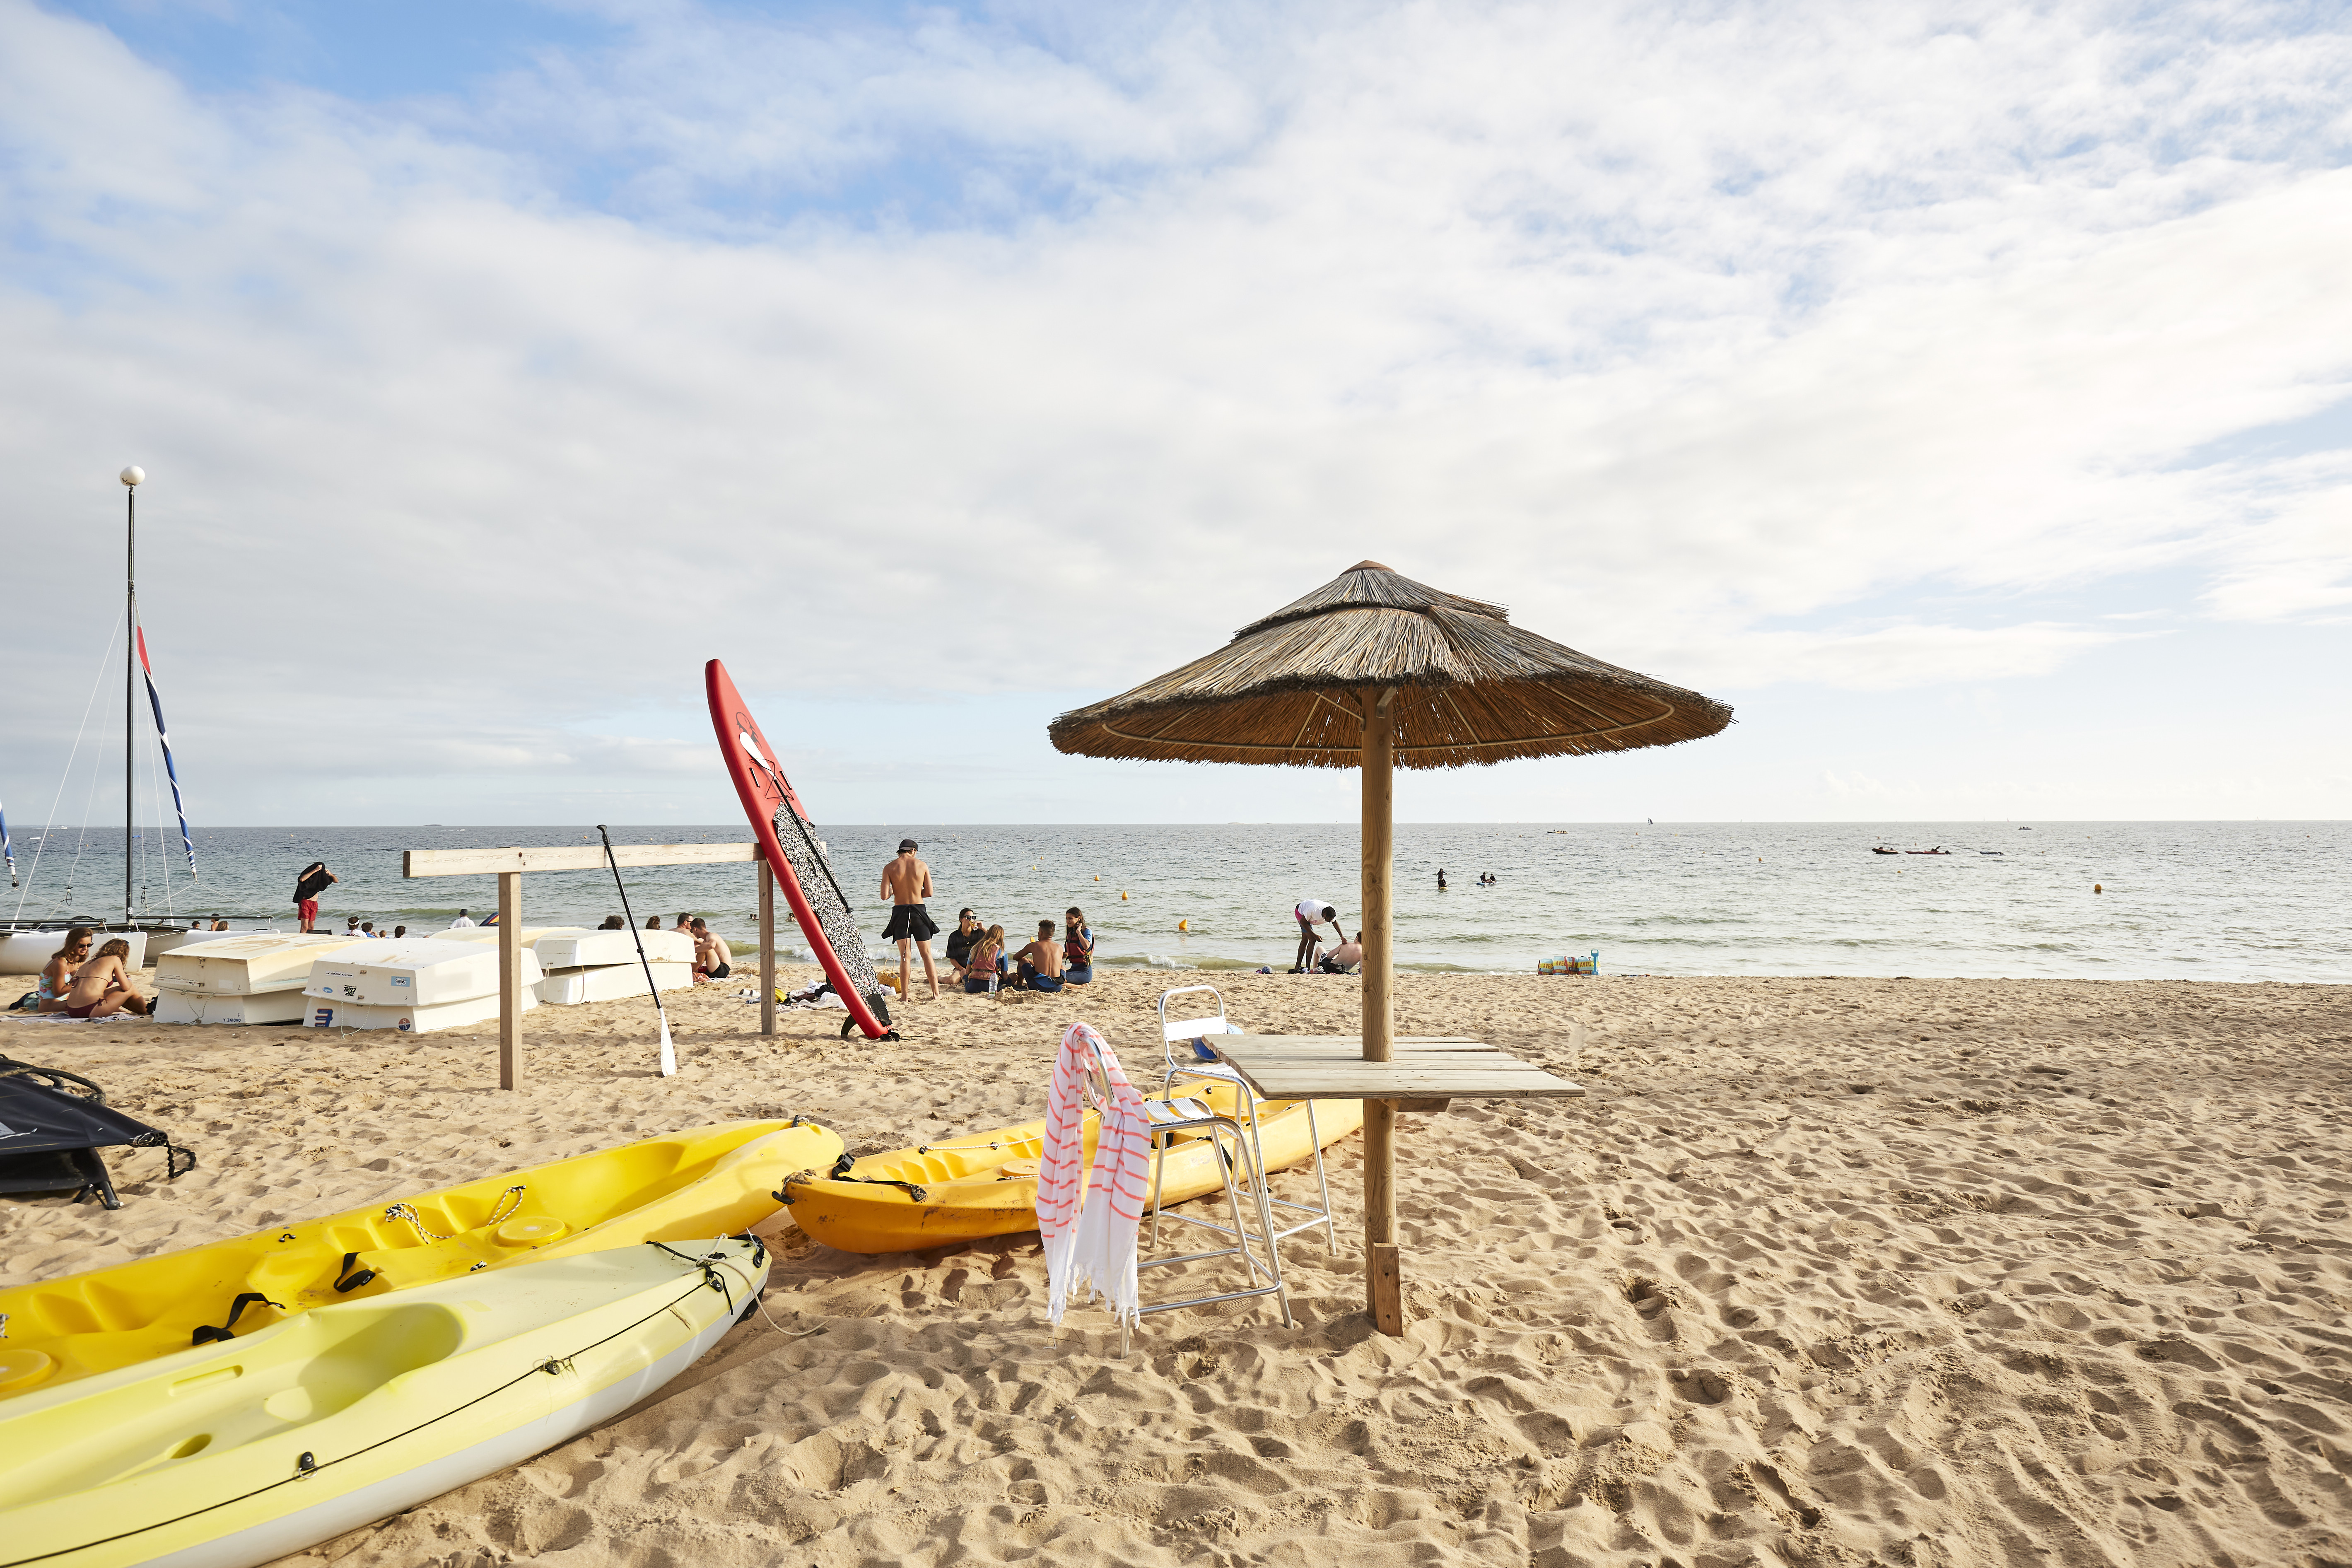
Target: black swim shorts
910 922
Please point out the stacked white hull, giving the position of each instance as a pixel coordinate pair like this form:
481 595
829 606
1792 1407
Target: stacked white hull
611 982
326 1013
201 1007
415 985
252 964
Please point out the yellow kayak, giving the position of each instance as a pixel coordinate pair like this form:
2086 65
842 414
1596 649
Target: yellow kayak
242 1451
986 1184
706 1181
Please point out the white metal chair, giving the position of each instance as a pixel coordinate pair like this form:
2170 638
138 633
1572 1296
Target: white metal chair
1186 1030
1168 1118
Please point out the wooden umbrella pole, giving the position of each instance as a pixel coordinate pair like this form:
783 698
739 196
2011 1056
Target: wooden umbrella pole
1384 1275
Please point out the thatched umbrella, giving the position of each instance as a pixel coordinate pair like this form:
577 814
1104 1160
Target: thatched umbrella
1375 670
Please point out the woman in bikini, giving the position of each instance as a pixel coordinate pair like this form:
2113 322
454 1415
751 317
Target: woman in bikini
102 988
57 975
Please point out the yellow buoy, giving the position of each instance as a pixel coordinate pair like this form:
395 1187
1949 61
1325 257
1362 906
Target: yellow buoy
1122 897
1183 925
1097 878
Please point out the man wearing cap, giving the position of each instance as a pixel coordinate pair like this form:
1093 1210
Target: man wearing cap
906 886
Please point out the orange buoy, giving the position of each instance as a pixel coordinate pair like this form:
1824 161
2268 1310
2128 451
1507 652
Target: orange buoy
2096 889
1183 925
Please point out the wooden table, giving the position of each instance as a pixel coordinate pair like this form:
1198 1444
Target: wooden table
1424 1072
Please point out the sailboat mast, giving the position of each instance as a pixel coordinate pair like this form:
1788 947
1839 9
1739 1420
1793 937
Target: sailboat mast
130 480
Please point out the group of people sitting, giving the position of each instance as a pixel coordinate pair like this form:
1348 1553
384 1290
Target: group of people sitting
79 986
354 926
976 955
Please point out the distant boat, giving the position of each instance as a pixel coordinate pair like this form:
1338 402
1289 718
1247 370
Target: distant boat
1883 849
1927 852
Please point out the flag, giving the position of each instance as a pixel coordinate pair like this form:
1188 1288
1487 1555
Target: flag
165 740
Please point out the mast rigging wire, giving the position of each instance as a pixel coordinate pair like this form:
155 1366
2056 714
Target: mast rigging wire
67 776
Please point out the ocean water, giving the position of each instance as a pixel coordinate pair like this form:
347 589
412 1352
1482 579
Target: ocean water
2233 900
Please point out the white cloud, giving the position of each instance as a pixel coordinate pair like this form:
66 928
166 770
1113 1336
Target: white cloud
1665 326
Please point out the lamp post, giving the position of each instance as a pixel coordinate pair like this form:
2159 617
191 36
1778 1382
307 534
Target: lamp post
133 478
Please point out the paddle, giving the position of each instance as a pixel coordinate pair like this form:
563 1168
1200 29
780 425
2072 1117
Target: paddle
669 1056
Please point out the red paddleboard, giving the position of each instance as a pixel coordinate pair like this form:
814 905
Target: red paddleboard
790 844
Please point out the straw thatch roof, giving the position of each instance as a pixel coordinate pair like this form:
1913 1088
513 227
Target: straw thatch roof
1471 687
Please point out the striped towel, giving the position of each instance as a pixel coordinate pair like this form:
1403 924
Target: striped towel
1090 1244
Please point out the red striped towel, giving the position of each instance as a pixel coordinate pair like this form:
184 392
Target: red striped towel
1090 1244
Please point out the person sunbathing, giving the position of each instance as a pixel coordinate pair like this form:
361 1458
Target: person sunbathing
102 988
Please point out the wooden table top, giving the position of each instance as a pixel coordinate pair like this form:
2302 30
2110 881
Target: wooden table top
1421 1067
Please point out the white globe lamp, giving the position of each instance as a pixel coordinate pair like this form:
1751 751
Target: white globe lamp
134 475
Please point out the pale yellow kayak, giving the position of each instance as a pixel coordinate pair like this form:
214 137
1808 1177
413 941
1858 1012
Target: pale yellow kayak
244 1450
706 1181
985 1184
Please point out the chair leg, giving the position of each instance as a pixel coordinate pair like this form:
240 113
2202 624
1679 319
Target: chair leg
1273 1252
1159 1147
1322 1182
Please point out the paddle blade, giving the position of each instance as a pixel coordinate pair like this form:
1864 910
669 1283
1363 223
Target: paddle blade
669 1056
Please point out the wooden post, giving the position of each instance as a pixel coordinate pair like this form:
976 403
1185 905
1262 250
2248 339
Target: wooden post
509 979
767 948
1381 1259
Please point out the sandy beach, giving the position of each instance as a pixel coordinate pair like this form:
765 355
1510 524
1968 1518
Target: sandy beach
1822 1271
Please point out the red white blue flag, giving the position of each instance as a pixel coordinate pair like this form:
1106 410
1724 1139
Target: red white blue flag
165 740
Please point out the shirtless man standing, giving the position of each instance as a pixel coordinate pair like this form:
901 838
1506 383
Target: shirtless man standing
906 888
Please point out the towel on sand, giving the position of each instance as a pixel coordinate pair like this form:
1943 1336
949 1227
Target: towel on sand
1089 1222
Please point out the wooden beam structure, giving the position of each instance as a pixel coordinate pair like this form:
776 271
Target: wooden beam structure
509 864
568 858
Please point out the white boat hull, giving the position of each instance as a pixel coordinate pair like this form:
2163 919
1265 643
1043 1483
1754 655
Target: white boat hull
323 1013
589 949
200 1007
24 952
245 966
611 982
412 973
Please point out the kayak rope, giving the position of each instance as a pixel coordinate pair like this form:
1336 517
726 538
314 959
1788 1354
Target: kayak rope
507 1204
309 1465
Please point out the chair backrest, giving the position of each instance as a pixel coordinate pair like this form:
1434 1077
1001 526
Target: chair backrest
1171 1030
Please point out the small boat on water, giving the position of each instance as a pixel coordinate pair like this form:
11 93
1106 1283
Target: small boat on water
1927 852
1885 849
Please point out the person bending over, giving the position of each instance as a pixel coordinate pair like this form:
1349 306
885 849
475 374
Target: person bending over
1077 949
1343 959
907 888
1309 912
102 988
1041 960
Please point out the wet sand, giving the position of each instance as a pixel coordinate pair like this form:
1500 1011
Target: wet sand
1829 1271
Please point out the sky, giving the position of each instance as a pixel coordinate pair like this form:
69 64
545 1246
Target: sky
1963 393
